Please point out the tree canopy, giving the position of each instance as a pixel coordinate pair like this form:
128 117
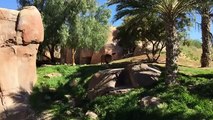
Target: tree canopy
172 12
72 23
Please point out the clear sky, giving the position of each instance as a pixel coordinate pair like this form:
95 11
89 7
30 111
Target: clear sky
194 32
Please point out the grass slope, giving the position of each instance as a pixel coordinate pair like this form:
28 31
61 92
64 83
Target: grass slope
192 99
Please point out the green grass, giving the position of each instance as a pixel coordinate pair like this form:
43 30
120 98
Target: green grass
192 99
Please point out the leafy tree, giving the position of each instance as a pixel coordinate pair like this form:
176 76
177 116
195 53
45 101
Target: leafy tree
53 14
88 30
71 23
171 12
149 30
127 36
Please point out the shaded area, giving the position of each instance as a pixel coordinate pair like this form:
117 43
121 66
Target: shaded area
69 97
179 101
200 84
16 106
189 99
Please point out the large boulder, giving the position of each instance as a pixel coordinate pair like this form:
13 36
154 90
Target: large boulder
149 101
102 82
142 75
30 24
122 80
20 35
114 50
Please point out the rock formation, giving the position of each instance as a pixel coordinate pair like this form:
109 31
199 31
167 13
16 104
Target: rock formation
87 56
20 35
102 82
121 80
110 48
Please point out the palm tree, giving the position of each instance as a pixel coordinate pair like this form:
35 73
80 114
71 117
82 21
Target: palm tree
205 10
171 11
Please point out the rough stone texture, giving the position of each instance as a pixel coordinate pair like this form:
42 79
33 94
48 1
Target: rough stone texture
30 24
142 75
52 75
87 56
91 115
119 90
142 48
20 35
122 80
149 101
102 82
107 49
110 48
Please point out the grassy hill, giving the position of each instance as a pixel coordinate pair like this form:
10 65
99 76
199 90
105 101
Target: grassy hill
64 97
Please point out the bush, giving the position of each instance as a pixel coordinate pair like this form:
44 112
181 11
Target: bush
195 43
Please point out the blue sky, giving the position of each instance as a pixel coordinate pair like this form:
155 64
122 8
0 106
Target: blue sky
194 32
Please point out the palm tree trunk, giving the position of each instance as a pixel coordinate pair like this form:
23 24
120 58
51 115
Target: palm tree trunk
73 56
206 40
172 51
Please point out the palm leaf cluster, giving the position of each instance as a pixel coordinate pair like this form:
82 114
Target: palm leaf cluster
173 13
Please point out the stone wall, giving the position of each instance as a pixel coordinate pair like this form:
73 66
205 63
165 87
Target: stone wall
20 35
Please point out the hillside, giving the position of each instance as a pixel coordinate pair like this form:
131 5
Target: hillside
189 55
65 97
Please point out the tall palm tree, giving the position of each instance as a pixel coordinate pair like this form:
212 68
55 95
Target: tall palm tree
171 11
205 10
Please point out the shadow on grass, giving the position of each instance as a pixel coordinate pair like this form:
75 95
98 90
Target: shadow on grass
69 99
18 109
207 76
200 84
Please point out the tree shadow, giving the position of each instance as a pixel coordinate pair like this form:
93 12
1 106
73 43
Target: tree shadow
207 76
69 97
16 105
200 84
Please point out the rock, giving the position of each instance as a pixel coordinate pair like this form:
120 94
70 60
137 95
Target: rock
30 24
91 115
114 50
85 56
53 90
46 115
143 47
149 101
20 33
142 75
102 82
73 83
67 96
109 48
118 91
52 75
89 56
68 112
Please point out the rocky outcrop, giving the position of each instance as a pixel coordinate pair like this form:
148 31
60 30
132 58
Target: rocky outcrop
149 101
144 47
114 50
88 56
91 115
121 80
142 75
102 82
20 35
111 47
